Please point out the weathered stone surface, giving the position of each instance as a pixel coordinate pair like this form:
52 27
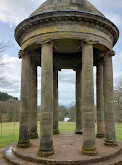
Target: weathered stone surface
78 103
67 153
33 99
69 32
110 137
25 104
68 24
82 5
46 117
100 103
88 147
55 101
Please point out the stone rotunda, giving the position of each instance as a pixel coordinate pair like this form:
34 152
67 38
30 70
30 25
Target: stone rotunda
66 34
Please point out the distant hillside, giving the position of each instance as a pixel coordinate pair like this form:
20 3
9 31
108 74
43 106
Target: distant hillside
5 96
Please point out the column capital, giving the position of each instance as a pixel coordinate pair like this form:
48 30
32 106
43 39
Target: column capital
77 69
24 52
100 61
56 68
49 42
88 42
110 53
21 53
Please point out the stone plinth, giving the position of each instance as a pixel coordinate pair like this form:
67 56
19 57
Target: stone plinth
67 152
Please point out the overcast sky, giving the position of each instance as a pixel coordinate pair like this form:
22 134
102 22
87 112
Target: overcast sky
13 12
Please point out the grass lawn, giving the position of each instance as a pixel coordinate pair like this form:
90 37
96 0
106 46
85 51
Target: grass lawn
9 131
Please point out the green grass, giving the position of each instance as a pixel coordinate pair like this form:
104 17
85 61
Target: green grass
119 132
10 131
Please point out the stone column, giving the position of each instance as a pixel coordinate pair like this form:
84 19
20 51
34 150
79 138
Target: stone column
24 128
55 101
88 147
33 99
46 116
78 103
100 103
110 137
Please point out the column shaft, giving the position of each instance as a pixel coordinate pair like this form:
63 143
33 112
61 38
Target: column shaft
78 103
88 147
33 100
46 117
100 103
24 129
110 138
55 101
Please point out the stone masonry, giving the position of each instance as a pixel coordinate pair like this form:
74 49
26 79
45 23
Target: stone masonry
70 34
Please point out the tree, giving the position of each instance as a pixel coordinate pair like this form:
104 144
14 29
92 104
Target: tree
5 97
118 101
62 111
3 47
2 105
12 110
3 117
72 113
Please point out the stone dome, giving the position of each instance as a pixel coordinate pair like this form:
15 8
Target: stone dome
67 23
53 5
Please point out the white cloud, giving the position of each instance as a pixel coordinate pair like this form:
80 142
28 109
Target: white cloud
66 93
67 75
14 11
12 72
66 79
117 68
66 86
110 8
115 18
110 4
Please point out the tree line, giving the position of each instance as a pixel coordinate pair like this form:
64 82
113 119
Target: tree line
118 102
5 97
9 107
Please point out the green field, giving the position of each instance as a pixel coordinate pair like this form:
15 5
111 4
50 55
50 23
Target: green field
9 131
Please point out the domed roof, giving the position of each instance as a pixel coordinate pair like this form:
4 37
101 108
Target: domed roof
53 5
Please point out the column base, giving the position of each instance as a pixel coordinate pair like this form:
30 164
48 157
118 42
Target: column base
100 135
24 144
110 142
46 153
78 131
89 151
56 131
33 135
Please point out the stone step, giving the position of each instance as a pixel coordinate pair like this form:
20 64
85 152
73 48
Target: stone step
14 160
117 160
2 160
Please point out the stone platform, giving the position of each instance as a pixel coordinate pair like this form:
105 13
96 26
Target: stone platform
67 152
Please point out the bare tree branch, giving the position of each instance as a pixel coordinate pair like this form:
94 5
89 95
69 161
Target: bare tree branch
3 47
118 101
